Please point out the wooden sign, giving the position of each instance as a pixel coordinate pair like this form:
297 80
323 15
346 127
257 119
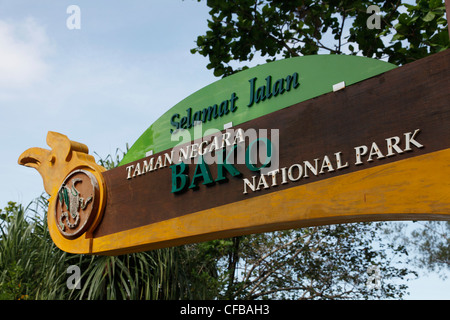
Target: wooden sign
260 151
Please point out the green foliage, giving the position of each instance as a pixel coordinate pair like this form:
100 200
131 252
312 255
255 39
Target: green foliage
241 30
429 240
31 266
140 276
433 242
418 32
329 262
109 162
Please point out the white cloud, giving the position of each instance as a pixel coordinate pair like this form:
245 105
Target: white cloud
24 46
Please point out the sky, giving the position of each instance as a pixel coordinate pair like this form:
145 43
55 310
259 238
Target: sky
103 84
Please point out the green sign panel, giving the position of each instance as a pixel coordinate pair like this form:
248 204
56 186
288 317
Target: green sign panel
250 94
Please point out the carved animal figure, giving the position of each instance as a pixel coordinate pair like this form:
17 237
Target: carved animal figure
73 201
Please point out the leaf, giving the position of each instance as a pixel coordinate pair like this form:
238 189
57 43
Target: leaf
398 36
429 16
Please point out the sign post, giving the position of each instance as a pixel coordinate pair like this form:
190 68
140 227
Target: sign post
294 143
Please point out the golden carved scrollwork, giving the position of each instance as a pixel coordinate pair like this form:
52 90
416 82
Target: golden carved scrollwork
76 187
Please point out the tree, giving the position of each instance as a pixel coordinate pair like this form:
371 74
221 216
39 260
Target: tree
431 242
330 262
241 30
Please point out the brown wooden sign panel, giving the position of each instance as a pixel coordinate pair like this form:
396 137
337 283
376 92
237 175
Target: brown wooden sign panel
376 150
389 105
